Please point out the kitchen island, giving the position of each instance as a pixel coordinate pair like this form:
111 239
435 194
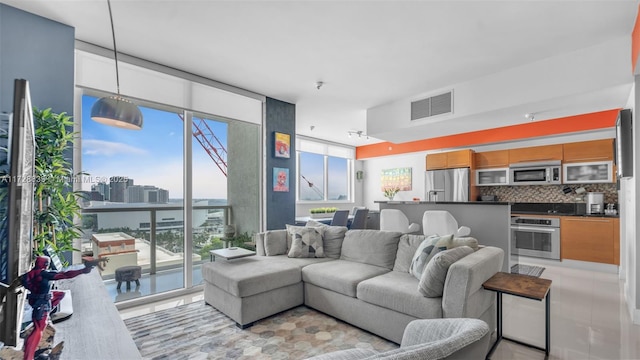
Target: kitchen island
489 221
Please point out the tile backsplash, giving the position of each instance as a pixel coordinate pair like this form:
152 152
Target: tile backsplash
549 193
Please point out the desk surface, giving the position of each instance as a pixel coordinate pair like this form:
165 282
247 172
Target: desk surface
520 285
95 330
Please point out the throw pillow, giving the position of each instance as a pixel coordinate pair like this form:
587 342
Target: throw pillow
423 254
291 230
307 242
432 280
451 242
332 238
275 243
406 248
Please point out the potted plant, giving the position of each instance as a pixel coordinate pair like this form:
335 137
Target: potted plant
390 192
56 204
322 212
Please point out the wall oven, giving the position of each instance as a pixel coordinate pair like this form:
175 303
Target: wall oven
536 237
535 173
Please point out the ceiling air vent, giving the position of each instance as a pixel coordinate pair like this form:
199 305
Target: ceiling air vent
435 105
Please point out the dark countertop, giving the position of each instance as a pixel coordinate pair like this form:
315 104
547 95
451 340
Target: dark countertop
409 202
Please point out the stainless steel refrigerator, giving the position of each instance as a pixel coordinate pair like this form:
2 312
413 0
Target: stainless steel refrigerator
447 185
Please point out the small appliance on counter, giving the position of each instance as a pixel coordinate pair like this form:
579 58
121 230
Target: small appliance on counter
595 203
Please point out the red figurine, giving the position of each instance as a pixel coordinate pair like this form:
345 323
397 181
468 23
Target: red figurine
42 299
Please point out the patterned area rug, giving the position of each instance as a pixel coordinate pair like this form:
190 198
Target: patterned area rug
199 331
527 270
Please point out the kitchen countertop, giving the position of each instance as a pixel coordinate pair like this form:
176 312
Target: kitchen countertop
410 202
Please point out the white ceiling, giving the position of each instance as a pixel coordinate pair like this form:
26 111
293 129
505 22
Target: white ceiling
367 53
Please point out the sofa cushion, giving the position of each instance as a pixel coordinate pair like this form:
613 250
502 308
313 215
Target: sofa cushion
425 251
307 243
255 274
291 231
275 243
448 243
332 238
397 291
341 276
406 249
432 281
373 247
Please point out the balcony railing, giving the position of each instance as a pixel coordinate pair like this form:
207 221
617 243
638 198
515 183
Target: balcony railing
131 217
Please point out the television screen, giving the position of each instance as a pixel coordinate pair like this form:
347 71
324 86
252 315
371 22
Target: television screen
624 144
16 208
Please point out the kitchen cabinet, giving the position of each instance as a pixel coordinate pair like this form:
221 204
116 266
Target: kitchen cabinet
492 177
587 172
449 160
437 161
535 153
595 150
590 239
491 159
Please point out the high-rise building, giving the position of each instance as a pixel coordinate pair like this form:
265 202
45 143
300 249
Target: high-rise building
117 187
146 194
135 194
103 189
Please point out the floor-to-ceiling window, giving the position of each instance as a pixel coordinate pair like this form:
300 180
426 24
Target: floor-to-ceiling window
135 196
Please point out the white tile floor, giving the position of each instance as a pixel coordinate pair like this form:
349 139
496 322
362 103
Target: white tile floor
589 319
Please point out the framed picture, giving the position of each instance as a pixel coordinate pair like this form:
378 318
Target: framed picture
283 145
396 178
280 179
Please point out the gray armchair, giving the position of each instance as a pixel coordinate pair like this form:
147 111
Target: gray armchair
430 339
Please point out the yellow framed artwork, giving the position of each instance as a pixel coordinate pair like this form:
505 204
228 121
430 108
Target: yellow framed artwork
397 177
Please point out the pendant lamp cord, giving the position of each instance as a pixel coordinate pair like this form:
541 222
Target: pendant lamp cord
115 51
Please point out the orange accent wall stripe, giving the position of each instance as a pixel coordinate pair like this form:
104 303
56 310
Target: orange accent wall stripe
584 122
635 43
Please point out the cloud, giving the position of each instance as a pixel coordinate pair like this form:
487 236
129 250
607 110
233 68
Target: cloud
109 148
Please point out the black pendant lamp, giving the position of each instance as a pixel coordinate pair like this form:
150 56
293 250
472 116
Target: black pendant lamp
116 110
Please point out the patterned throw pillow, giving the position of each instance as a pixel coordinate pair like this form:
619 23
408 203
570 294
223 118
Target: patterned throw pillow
424 253
451 242
435 273
307 243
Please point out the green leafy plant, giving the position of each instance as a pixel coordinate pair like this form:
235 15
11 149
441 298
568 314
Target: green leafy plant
242 240
56 204
323 210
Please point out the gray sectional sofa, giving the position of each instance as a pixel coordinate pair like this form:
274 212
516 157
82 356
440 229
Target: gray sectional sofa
363 280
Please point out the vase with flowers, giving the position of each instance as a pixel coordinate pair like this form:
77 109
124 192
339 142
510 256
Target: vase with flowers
390 192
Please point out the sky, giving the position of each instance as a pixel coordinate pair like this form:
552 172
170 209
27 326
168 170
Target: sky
150 156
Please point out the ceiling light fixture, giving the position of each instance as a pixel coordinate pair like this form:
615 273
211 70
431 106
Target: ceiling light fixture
115 110
319 84
530 116
360 133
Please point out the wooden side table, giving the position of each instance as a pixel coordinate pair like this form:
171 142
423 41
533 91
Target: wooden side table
529 287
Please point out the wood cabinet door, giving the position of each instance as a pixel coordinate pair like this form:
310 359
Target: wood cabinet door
492 159
596 150
437 161
460 158
587 239
536 153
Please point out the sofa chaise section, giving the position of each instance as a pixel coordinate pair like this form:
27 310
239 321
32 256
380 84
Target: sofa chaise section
252 288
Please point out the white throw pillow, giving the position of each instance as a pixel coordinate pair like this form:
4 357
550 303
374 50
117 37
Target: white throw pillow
435 273
424 253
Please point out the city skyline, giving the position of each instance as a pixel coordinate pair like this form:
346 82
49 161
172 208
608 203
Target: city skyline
152 155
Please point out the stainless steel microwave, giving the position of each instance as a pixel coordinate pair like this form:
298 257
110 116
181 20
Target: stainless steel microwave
547 173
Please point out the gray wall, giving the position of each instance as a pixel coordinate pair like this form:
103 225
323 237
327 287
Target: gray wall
38 50
280 206
243 182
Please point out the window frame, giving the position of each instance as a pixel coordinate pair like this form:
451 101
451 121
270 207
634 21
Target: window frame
327 150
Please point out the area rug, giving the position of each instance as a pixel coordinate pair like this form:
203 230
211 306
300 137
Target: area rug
527 270
199 331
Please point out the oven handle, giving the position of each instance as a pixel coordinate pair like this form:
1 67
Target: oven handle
516 227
